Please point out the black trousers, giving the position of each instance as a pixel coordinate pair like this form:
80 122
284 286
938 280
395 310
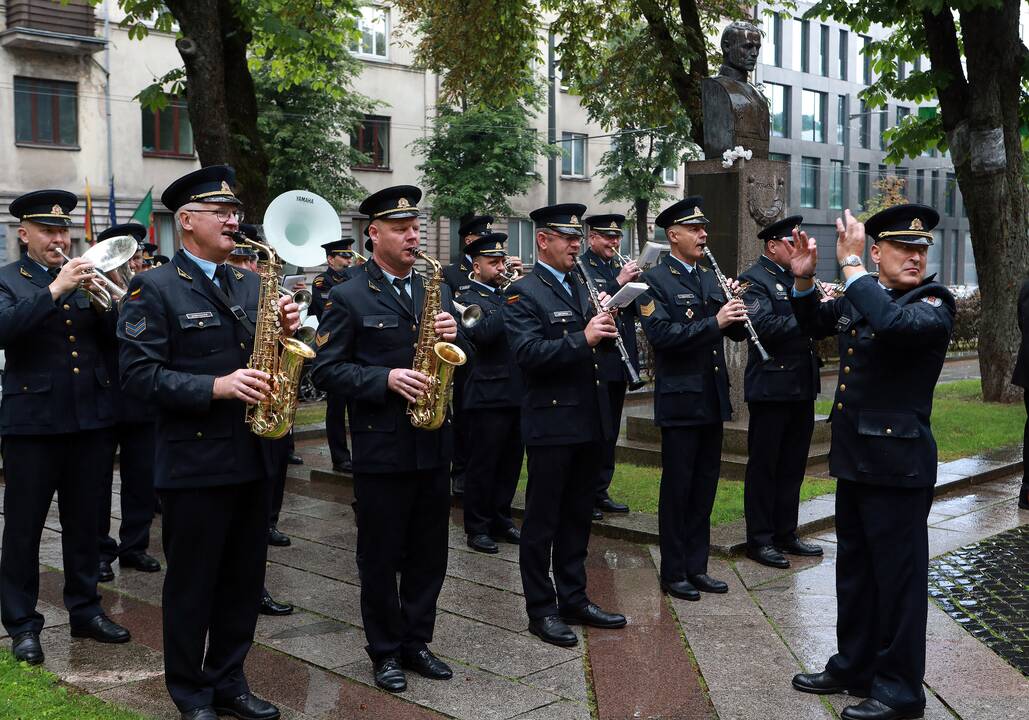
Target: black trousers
882 568
136 467
216 543
1025 450
462 429
778 439
35 466
558 516
336 428
402 529
276 461
616 396
690 461
494 464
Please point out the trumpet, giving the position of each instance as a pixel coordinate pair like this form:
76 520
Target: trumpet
359 256
300 297
829 290
623 259
470 314
106 256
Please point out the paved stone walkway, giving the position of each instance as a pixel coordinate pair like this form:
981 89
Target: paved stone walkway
725 657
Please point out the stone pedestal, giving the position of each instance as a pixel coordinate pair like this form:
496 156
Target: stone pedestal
738 201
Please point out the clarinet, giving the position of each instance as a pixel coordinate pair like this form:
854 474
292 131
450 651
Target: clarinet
634 378
724 283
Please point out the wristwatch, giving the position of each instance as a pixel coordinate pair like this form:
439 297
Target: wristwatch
850 261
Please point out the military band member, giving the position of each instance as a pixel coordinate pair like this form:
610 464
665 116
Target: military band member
609 275
781 397
685 315
492 399
133 436
1020 377
456 273
148 257
339 258
187 333
566 420
55 420
893 336
366 347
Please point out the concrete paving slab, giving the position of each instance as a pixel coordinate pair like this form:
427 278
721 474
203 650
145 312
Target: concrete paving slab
561 710
313 528
94 666
567 679
481 569
318 558
990 519
483 603
317 640
325 596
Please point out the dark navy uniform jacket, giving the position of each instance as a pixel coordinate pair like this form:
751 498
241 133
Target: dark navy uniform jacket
176 337
605 279
495 381
691 386
455 275
56 379
565 400
792 373
891 355
365 333
322 286
1020 376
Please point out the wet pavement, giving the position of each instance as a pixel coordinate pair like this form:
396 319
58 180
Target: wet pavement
727 656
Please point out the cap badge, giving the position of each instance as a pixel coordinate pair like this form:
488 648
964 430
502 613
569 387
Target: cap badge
916 224
403 203
697 210
500 246
614 225
489 226
57 210
573 220
226 188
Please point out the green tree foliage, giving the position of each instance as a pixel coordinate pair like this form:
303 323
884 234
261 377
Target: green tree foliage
477 159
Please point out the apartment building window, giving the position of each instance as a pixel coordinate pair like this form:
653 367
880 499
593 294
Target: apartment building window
812 116
864 173
864 127
521 240
950 194
920 186
841 55
970 276
795 47
573 154
167 132
823 51
902 69
779 96
805 46
809 167
902 174
836 184
46 112
373 24
841 119
866 59
771 43
934 187
902 112
372 139
884 125
670 175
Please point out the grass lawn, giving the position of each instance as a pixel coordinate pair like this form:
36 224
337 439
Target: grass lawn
964 425
310 414
35 694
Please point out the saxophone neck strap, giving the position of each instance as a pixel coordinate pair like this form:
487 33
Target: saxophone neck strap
237 311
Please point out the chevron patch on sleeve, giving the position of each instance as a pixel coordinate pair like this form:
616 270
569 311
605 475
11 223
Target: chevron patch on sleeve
135 329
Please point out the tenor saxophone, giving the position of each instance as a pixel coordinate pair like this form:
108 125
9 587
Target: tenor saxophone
434 358
273 417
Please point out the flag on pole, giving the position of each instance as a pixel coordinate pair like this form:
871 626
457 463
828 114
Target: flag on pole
111 212
143 214
89 216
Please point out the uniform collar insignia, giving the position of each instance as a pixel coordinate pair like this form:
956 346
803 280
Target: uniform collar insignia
593 262
673 270
182 273
237 273
373 286
24 272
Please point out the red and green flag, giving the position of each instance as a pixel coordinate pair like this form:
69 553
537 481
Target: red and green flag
144 213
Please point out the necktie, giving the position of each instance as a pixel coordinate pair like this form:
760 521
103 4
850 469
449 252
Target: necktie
401 285
52 272
221 276
566 283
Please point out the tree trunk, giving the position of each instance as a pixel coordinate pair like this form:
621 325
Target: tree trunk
981 121
642 206
220 95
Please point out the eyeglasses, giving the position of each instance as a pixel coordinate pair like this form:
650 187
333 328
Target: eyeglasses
223 214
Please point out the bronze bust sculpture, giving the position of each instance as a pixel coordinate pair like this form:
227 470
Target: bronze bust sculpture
735 112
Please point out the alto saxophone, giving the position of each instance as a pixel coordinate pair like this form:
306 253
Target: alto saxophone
273 417
434 358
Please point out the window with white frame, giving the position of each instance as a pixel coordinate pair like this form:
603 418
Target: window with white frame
670 175
521 240
573 154
373 26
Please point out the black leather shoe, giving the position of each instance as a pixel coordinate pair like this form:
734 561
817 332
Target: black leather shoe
201 713
593 616
1023 496
270 606
681 589
823 683
872 709
278 538
799 547
26 648
295 459
552 629
106 573
483 544
609 505
390 676
139 561
706 583
427 665
597 515
347 467
247 707
511 535
102 629
768 555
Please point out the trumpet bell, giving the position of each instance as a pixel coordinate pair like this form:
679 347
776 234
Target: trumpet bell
111 253
297 223
470 314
